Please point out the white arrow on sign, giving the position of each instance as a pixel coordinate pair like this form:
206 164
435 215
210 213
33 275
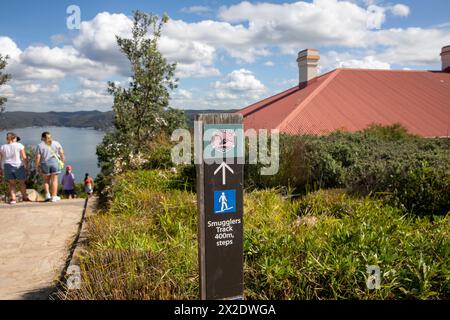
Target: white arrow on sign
224 168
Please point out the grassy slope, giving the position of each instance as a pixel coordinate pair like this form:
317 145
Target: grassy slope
317 247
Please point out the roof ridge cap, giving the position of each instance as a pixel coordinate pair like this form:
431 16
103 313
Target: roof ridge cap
385 70
305 101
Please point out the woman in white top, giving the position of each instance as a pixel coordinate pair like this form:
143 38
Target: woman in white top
14 158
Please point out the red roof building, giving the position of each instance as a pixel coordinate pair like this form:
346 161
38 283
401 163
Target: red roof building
352 99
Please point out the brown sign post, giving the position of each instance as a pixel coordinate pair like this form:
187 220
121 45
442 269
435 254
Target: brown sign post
220 170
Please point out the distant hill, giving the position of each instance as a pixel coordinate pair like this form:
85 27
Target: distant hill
79 119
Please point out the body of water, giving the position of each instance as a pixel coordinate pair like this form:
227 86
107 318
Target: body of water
79 146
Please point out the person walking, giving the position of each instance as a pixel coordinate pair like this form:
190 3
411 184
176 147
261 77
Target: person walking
68 183
14 159
88 185
50 162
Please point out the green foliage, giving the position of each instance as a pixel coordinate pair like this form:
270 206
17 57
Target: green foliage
4 191
319 247
409 171
160 155
142 116
3 79
144 247
393 132
34 179
141 111
316 247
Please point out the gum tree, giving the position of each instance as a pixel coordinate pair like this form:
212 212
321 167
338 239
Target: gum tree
4 77
141 110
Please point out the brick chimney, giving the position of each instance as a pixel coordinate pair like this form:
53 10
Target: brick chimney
308 60
445 57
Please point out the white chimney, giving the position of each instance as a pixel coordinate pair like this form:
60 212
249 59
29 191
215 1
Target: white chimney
445 57
308 60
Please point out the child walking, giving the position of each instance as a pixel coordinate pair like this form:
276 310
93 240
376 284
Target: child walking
88 185
68 183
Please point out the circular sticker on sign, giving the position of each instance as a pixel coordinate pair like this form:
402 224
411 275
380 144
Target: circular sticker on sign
223 140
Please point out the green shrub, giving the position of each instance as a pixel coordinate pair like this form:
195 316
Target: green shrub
411 174
409 171
4 190
316 247
393 132
34 179
320 247
305 164
145 244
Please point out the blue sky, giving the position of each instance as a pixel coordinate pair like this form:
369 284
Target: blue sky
229 53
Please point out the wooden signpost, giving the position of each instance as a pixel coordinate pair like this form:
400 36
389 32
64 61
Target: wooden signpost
220 171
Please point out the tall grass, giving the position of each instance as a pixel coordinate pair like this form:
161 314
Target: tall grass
316 247
320 246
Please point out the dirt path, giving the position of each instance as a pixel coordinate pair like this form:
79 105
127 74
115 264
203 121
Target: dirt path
34 245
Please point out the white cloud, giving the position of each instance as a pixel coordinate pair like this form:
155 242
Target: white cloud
295 26
97 39
6 91
32 88
236 90
368 62
377 14
8 47
404 48
99 85
288 27
196 9
269 63
330 23
301 24
235 39
66 59
21 71
58 39
84 99
332 60
195 70
186 51
245 32
36 73
181 94
239 84
26 95
375 17
400 10
24 72
248 55
285 83
411 46
194 58
43 62
442 25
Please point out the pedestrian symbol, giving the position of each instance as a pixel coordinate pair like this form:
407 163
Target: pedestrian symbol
224 201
